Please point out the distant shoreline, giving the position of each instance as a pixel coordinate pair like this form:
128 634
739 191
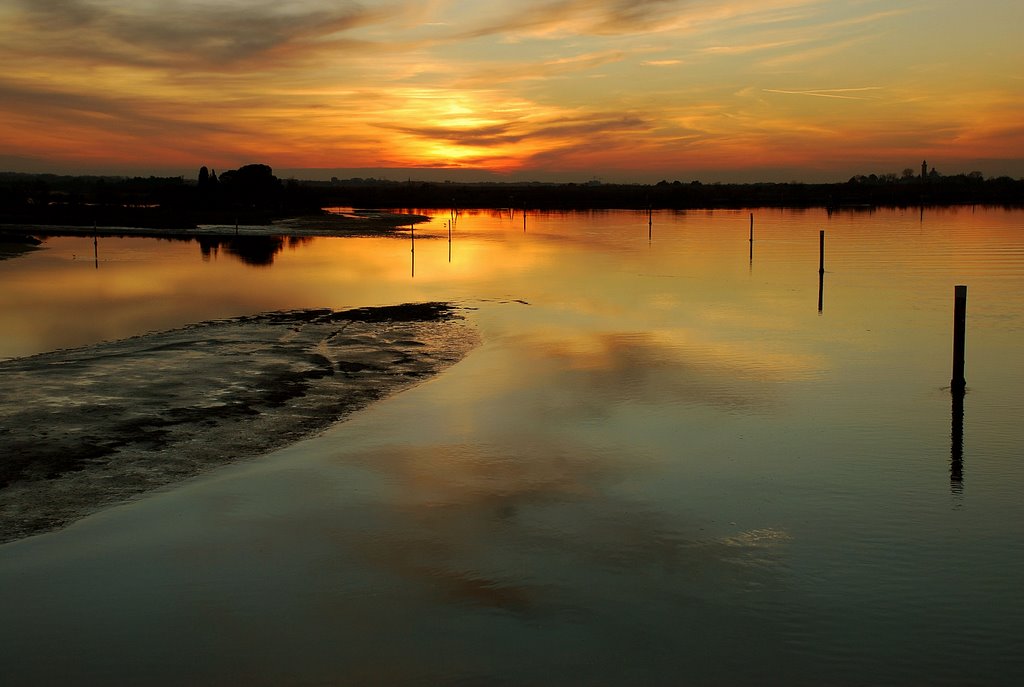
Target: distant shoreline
252 196
17 239
325 224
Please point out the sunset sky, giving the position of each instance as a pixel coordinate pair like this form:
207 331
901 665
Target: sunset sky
617 90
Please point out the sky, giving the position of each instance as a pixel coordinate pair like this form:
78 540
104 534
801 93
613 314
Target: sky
568 90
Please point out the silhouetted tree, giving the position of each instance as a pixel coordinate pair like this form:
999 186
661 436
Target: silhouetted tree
252 186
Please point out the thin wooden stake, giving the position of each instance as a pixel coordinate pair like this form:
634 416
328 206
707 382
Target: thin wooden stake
751 237
958 383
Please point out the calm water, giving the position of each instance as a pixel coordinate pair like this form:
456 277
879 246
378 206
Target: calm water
664 465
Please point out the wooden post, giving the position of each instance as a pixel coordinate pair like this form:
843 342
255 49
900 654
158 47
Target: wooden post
821 252
958 384
751 237
650 223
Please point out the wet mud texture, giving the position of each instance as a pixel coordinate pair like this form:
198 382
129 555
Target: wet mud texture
86 428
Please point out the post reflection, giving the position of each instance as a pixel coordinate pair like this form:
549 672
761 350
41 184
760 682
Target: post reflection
751 238
956 458
821 291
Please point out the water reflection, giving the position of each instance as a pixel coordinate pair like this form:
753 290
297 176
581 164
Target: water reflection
751 238
591 375
821 291
956 459
258 251
661 458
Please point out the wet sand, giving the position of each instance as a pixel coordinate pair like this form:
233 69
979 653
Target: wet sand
86 428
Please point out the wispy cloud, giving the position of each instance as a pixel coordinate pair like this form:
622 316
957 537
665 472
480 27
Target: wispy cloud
193 35
617 17
753 47
576 84
838 93
599 17
516 129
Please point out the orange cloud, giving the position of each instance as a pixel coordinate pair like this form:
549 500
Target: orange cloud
656 87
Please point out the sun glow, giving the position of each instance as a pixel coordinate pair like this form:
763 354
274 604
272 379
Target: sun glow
659 90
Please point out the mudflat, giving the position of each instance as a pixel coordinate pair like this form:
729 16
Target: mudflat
85 428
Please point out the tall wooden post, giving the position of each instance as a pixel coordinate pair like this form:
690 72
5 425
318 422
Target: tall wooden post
751 237
958 384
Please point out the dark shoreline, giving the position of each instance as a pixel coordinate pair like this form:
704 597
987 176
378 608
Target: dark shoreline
18 239
14 243
252 196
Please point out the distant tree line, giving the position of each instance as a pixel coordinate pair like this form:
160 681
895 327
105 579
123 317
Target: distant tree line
252 194
870 190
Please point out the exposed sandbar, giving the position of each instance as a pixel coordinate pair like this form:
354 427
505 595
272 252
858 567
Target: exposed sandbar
85 428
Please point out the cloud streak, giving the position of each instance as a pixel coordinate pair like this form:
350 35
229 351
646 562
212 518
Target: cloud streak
655 87
837 93
187 35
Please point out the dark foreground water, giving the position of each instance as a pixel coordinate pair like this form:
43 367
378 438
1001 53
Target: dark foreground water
664 465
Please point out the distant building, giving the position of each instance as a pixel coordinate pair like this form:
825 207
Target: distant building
924 170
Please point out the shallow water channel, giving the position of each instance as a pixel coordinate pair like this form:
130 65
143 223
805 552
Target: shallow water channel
678 457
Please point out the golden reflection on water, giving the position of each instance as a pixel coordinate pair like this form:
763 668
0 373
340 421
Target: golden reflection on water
692 285
661 451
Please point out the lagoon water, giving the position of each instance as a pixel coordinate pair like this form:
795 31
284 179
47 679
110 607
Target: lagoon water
665 464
